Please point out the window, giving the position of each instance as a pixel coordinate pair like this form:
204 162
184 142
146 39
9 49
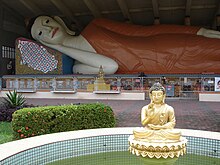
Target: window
8 52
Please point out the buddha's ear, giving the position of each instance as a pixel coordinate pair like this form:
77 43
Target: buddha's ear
150 95
164 96
60 21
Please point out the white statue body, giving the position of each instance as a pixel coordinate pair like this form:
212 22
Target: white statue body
53 33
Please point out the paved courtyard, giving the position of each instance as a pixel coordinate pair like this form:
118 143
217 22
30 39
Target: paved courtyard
190 114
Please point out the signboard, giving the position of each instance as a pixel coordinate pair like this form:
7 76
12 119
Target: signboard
169 90
217 84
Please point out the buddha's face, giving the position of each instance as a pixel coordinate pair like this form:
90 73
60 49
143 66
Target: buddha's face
157 97
46 29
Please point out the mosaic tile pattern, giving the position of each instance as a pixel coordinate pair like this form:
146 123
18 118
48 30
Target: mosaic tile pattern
36 56
99 144
23 60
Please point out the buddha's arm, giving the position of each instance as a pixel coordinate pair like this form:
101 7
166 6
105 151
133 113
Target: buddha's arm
91 59
146 114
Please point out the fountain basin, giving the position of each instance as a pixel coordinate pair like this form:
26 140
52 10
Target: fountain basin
66 145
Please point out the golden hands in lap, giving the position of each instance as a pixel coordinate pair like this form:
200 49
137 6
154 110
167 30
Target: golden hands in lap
155 127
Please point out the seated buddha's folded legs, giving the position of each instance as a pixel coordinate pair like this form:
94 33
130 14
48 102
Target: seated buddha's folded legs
142 133
170 134
163 134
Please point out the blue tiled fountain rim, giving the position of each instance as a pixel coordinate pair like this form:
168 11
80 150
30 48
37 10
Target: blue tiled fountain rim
98 144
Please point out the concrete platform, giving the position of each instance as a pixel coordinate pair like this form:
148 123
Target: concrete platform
209 96
83 95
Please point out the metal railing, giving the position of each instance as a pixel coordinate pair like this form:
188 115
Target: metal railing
177 87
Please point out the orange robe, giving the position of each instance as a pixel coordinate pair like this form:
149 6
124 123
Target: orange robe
157 49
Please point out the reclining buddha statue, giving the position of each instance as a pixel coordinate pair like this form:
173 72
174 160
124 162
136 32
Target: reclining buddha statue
157 138
131 49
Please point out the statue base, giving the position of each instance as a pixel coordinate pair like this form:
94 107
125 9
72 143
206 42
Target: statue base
157 149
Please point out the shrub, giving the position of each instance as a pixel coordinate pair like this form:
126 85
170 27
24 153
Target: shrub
43 120
6 113
14 100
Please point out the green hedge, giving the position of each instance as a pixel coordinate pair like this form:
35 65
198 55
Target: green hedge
29 122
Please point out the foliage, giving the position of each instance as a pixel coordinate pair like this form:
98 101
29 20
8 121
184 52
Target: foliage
28 122
6 133
14 99
6 113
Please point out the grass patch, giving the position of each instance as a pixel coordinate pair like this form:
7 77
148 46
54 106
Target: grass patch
6 133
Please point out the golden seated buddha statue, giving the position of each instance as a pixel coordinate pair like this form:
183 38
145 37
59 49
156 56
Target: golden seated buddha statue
157 118
157 138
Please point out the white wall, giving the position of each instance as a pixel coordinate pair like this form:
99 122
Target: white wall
83 95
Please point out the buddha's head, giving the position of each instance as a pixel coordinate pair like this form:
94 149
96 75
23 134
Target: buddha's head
157 93
50 30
